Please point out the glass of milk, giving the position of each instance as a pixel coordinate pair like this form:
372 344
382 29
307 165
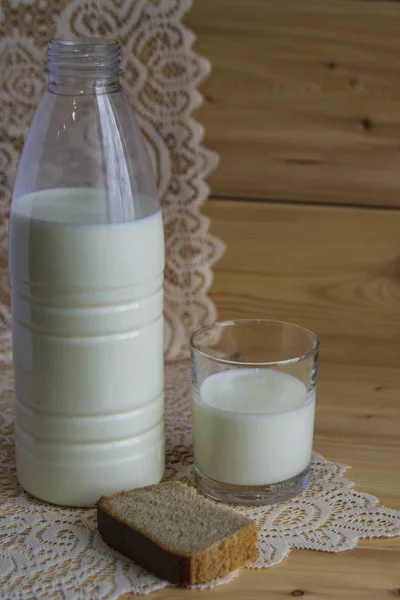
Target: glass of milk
254 384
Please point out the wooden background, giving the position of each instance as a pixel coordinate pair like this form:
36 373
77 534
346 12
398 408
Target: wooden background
303 106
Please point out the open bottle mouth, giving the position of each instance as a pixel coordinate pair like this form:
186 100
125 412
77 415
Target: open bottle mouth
101 56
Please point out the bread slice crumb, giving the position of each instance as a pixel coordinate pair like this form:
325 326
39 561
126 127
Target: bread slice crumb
173 531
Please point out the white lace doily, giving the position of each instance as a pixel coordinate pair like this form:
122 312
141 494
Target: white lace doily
52 552
161 78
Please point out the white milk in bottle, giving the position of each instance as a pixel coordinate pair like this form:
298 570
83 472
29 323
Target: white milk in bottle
87 331
86 267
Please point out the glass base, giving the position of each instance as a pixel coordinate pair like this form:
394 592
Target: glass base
255 495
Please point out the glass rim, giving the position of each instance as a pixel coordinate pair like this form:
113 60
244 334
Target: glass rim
234 322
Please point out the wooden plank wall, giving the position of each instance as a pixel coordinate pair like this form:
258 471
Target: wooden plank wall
303 106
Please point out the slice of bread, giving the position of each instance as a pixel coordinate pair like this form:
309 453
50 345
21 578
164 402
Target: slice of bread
173 531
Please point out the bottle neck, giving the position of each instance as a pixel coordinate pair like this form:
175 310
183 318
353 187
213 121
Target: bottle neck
84 66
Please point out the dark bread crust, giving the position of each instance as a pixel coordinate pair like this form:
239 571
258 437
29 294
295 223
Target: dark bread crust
216 560
141 549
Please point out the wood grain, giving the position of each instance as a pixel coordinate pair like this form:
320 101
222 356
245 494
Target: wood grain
335 270
367 574
303 99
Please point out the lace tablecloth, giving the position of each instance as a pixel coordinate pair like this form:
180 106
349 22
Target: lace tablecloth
52 552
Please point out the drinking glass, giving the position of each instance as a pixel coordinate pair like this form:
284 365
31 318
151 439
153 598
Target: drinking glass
254 388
